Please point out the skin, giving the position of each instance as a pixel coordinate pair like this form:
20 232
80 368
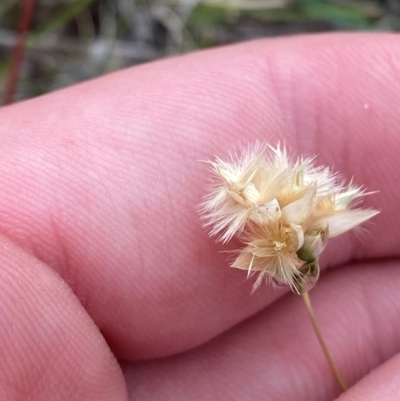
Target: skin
105 267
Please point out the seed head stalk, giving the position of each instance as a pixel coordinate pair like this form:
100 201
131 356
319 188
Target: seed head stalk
328 356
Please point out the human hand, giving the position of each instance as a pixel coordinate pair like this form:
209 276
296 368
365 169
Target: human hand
103 258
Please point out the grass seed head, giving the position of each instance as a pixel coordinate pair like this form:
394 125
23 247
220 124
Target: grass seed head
284 210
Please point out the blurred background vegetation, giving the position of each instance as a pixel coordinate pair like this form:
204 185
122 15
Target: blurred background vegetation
74 40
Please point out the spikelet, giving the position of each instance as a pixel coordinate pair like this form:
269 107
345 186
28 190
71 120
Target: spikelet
283 210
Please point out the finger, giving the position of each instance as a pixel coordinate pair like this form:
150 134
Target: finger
276 356
50 349
381 384
101 181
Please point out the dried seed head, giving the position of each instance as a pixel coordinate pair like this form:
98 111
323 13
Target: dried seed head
284 211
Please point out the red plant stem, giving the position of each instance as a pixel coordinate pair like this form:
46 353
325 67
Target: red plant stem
18 51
